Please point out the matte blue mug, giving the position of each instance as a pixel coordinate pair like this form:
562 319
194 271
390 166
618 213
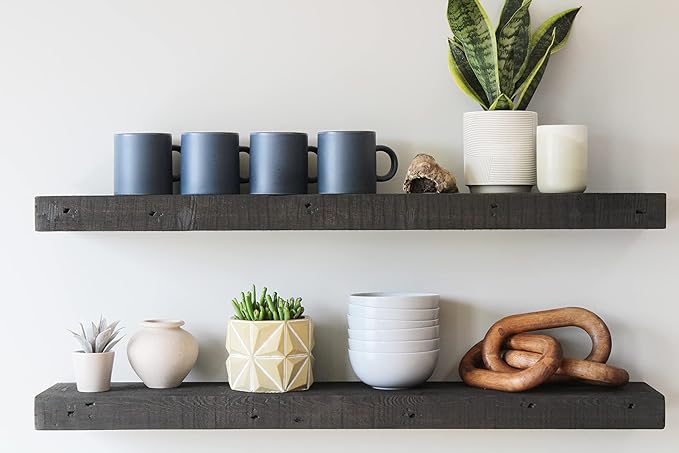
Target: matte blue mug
279 163
347 162
143 163
211 163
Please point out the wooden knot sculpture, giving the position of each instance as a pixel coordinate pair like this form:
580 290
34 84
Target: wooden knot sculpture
511 360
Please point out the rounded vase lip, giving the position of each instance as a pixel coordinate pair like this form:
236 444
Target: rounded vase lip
163 323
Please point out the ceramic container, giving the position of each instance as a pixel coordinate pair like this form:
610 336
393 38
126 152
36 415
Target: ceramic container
394 346
562 158
142 163
396 300
387 324
270 356
162 353
347 162
93 371
499 151
279 163
392 371
424 333
210 163
394 313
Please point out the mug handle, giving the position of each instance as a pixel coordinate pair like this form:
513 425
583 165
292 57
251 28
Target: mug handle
314 179
246 150
178 149
394 163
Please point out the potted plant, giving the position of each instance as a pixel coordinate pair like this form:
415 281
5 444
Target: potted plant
269 344
500 69
94 362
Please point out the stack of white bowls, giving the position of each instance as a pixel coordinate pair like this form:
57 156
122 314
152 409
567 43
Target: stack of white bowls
393 338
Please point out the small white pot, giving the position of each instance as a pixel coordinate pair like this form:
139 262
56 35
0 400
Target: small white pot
499 151
93 371
162 353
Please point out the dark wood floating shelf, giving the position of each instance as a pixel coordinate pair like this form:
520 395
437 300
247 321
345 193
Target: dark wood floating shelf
529 211
350 405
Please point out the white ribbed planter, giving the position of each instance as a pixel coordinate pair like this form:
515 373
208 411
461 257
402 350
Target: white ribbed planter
499 151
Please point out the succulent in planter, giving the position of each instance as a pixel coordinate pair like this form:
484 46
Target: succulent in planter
267 308
501 69
270 344
93 364
99 338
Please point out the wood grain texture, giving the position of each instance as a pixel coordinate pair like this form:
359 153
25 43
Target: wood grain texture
351 406
351 212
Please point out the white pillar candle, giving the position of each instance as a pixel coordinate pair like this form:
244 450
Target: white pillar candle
562 159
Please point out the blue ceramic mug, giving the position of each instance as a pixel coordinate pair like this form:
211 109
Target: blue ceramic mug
347 162
211 163
143 164
279 163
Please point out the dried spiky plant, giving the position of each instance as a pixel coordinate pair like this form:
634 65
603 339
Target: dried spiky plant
99 337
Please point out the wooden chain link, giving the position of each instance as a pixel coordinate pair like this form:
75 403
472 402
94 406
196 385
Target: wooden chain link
510 360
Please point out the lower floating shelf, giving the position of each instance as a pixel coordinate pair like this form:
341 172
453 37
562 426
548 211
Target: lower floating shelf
350 405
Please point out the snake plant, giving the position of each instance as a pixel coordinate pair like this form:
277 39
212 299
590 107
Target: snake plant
502 69
267 308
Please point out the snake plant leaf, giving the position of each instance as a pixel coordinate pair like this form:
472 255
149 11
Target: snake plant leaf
470 24
502 103
560 25
512 46
508 10
531 84
464 75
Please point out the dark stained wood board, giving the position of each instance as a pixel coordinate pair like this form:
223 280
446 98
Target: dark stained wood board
351 405
351 212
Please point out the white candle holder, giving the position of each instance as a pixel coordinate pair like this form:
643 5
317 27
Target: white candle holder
562 152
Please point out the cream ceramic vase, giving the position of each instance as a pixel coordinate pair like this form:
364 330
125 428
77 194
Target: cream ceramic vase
162 353
499 151
270 356
93 371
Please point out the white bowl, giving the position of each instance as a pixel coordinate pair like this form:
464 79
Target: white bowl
394 346
394 313
357 323
423 333
396 300
391 371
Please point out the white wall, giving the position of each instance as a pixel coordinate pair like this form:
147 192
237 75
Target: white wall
72 73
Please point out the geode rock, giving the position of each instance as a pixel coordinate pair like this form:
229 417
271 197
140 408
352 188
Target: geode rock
425 175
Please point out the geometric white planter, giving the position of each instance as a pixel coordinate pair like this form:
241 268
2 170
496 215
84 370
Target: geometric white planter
93 371
499 151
